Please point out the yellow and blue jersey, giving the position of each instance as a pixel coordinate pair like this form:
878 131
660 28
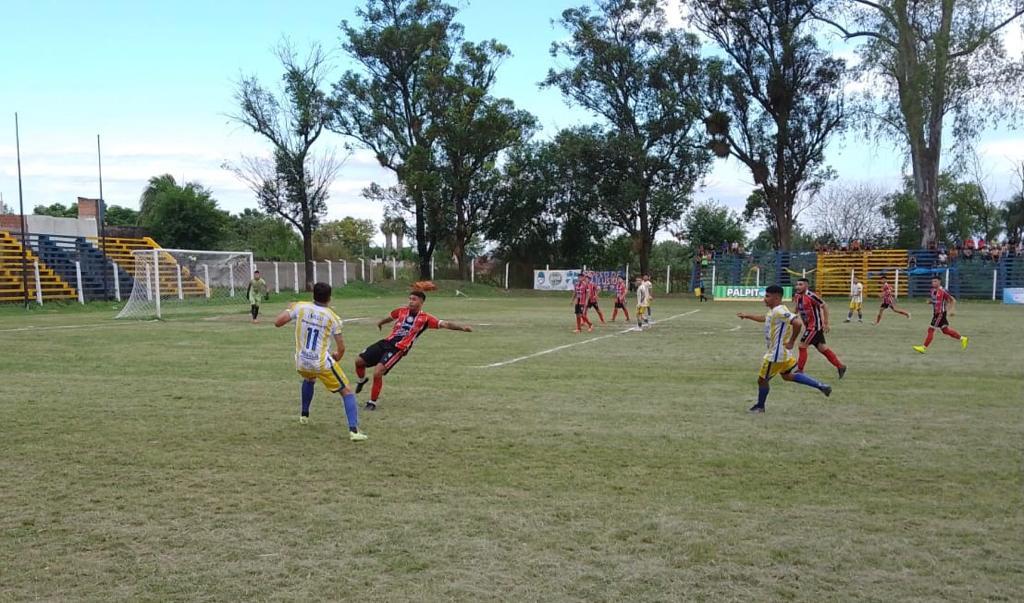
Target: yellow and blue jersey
776 331
315 327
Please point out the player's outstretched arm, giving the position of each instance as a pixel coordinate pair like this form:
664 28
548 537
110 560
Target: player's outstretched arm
452 326
283 318
339 347
824 317
753 317
384 321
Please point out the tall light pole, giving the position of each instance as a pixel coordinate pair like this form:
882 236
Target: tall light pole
21 210
101 216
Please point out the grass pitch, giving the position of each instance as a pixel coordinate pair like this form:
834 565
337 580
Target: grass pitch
164 461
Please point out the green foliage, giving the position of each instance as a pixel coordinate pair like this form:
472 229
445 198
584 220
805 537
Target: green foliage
268 237
115 215
343 238
962 212
767 239
643 81
182 217
1013 216
775 102
902 211
56 210
710 224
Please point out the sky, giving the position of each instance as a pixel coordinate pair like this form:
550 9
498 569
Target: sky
155 79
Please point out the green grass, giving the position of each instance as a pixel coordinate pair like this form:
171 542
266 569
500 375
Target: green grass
164 461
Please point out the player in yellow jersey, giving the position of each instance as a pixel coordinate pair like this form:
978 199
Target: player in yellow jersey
316 325
781 328
856 300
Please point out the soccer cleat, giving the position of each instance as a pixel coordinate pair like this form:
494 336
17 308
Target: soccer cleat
920 349
847 320
370 406
827 390
361 383
303 420
590 329
842 371
357 437
575 330
963 342
908 315
756 409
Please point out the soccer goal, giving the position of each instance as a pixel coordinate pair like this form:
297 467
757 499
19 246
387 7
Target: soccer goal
186 280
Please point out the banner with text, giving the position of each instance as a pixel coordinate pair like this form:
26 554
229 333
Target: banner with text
1013 295
744 293
555 280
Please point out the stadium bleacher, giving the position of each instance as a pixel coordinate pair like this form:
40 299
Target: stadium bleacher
51 285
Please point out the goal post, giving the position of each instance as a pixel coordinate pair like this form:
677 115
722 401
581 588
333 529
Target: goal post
182 281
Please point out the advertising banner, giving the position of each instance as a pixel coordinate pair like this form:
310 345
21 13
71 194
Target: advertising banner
555 280
745 293
1013 295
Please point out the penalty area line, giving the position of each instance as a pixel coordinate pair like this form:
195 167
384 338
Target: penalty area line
63 327
574 344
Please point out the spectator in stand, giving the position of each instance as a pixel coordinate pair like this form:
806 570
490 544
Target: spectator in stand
855 246
943 258
969 243
912 262
969 251
981 243
995 252
953 253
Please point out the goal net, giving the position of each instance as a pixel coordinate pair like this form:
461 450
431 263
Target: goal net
181 281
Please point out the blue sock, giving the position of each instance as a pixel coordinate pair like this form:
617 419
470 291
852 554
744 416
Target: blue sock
307 396
805 380
351 411
762 394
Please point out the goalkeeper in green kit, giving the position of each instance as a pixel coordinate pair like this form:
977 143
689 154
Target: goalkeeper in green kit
257 292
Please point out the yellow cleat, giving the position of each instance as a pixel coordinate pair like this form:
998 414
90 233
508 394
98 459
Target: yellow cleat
357 437
963 342
303 420
920 349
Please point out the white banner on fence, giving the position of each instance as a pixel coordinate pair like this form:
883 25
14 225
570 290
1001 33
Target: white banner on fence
555 280
1013 295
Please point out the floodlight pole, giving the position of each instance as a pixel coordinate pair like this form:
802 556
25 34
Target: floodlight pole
100 214
21 210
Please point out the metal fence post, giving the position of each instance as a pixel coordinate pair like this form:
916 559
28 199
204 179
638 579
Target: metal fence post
78 282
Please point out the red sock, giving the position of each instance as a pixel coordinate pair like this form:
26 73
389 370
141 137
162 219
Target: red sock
802 360
378 383
626 313
360 371
928 337
587 321
949 331
833 358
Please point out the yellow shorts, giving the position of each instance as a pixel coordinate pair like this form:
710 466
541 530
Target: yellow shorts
855 305
769 369
332 377
641 311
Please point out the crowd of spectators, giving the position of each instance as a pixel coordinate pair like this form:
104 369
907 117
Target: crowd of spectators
976 250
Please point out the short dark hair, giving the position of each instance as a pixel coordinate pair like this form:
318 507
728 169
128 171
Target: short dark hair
803 280
255 271
773 289
321 293
420 294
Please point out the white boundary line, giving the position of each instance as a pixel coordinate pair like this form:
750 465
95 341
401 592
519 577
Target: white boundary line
569 345
94 326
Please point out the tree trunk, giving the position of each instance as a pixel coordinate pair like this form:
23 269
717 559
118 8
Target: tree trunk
422 245
926 189
387 240
783 231
399 240
307 254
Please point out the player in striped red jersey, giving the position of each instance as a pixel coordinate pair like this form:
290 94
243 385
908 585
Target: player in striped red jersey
595 291
580 300
813 312
620 298
410 322
943 306
888 300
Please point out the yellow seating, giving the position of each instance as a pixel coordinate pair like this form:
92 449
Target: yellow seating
119 249
834 270
12 287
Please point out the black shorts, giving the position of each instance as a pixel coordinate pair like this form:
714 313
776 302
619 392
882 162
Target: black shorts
593 305
940 320
620 305
886 305
383 352
579 310
814 338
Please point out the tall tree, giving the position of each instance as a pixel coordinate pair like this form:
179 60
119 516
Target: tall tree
643 80
295 183
471 128
710 224
851 211
928 61
403 48
342 238
778 99
56 210
268 237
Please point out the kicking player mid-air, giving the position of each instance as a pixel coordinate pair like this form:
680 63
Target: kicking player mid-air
620 298
943 306
781 328
888 301
580 301
595 290
813 312
856 301
410 322
315 326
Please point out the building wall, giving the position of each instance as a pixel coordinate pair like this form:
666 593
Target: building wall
61 226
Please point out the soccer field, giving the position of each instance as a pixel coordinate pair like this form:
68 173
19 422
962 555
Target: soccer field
164 461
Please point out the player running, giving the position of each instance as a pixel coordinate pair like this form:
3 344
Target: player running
410 322
856 300
620 298
643 303
595 291
888 301
256 293
580 301
813 312
942 303
650 298
781 328
315 325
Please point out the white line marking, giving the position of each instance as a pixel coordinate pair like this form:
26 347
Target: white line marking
736 328
353 319
57 327
569 345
